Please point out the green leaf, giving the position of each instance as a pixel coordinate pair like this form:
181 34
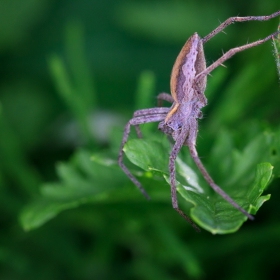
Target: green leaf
74 85
147 156
242 174
276 51
81 181
216 215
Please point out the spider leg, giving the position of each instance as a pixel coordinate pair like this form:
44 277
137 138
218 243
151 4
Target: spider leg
136 121
151 111
164 97
237 19
232 52
191 144
174 153
146 112
138 131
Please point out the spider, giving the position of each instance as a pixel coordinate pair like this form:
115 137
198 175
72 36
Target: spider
187 83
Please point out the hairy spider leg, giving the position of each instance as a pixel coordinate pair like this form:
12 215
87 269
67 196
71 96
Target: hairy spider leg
140 117
232 52
231 20
191 141
164 97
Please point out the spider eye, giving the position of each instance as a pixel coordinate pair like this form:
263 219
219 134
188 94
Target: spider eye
174 125
178 126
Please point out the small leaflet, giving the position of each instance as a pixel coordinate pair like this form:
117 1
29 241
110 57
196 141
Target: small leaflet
276 51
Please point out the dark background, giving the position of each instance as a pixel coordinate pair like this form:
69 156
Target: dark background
114 42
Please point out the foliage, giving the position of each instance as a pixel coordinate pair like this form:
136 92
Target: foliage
67 210
209 210
276 47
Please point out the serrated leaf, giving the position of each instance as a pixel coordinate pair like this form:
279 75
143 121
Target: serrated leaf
81 181
245 185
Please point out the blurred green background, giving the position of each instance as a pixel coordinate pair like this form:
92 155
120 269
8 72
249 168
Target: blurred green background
72 73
